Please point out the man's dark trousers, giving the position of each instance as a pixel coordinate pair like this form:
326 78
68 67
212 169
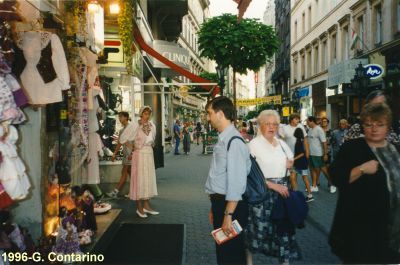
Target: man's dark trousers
232 251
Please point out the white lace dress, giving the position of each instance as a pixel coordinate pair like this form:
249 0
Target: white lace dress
12 169
39 92
8 108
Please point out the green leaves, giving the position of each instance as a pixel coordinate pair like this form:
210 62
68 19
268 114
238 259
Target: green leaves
125 31
244 45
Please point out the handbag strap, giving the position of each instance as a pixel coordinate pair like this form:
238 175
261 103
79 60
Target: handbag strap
286 173
233 138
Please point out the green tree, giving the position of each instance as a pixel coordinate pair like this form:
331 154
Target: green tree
244 45
213 77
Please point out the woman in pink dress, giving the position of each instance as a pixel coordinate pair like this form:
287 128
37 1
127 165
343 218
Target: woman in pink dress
143 184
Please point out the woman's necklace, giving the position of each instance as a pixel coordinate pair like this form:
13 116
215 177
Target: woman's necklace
146 127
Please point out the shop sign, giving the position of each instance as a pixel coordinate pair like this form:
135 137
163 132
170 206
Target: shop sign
172 52
343 72
277 100
301 92
285 111
373 71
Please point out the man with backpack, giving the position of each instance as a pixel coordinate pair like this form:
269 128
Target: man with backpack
226 182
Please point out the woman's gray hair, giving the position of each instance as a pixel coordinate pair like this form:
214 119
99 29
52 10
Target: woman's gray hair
266 113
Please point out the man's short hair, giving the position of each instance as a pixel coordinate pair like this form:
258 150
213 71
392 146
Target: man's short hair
223 104
294 116
312 119
124 114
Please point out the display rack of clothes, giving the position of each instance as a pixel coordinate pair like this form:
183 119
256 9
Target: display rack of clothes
41 65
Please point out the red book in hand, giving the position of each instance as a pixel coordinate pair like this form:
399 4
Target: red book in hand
220 236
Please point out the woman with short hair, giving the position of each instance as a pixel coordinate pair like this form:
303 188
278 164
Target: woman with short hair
274 158
366 226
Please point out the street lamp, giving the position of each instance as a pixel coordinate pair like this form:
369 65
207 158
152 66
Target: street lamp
221 72
359 83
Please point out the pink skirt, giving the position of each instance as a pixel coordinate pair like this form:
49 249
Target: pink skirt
143 184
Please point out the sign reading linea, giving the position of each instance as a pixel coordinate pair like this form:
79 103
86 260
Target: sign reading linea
373 71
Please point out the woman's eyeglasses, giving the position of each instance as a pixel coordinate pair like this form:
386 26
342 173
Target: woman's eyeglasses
268 124
374 125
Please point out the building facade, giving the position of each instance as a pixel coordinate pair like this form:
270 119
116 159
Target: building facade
266 71
281 75
329 39
319 38
188 107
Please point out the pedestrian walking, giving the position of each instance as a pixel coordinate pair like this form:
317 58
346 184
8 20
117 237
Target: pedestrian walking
366 225
198 132
243 132
177 136
263 234
143 177
127 145
300 164
250 130
286 133
226 180
318 154
186 139
338 137
328 134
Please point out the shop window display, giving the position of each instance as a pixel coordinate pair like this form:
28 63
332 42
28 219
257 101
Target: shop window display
60 72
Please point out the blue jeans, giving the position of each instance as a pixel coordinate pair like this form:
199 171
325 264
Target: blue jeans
177 141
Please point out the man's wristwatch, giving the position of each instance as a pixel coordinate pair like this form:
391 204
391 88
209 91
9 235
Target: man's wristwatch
362 171
228 213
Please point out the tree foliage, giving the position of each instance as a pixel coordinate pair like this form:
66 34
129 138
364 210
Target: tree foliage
243 45
213 77
254 113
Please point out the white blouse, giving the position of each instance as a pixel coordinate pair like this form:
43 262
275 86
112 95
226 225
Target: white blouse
39 92
271 159
131 131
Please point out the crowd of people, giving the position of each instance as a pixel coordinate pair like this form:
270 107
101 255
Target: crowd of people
361 161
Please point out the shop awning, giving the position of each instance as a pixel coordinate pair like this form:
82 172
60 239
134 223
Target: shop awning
195 78
242 7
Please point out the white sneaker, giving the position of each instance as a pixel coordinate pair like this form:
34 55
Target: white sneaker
112 194
314 188
332 189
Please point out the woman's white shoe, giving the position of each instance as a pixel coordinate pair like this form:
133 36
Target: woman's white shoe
141 215
150 212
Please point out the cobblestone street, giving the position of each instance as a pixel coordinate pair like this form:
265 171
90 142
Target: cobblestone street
182 201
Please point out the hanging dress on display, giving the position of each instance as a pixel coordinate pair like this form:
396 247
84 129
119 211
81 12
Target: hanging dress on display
95 145
8 107
12 170
43 68
18 94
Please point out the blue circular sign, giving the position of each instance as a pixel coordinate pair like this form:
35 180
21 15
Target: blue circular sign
373 71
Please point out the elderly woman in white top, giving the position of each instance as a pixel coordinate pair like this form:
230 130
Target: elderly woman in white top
274 158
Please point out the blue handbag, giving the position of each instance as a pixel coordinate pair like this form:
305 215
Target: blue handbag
256 190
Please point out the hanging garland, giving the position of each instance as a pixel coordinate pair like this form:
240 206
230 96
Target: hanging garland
125 24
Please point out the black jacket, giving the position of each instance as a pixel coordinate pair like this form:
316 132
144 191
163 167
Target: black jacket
359 230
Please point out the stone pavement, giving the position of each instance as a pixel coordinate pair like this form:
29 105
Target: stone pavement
182 200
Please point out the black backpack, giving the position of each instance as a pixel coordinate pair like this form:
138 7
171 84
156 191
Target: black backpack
256 189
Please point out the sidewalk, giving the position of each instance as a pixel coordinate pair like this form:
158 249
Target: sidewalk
182 200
